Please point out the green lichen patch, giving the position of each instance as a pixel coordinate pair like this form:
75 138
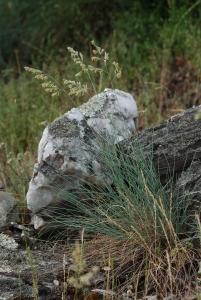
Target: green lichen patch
94 104
64 128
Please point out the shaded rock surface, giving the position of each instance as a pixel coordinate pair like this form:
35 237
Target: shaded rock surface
173 144
13 287
175 148
189 182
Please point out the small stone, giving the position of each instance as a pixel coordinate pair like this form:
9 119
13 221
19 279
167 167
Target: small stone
56 282
8 209
38 222
152 297
170 297
104 292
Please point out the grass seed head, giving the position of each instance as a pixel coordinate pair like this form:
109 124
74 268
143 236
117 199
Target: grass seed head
32 70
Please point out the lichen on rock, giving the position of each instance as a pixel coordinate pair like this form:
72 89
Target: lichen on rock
7 242
63 127
94 104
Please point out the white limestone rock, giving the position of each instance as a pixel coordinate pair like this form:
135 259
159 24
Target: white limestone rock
112 113
68 153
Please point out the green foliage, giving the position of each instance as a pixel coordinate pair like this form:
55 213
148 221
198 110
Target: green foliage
43 30
144 33
16 171
25 110
143 36
22 110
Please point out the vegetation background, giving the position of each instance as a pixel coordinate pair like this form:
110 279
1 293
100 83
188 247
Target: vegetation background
157 44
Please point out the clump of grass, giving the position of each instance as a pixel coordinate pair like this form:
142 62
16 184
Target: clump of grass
144 225
136 194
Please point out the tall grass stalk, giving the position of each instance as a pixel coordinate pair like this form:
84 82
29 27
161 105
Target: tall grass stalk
16 171
33 267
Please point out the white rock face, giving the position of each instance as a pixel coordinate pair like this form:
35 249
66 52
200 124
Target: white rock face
67 152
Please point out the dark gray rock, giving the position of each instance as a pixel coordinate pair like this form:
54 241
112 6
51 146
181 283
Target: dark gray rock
173 144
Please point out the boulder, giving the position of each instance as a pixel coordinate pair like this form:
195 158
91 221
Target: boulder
8 209
69 153
173 144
